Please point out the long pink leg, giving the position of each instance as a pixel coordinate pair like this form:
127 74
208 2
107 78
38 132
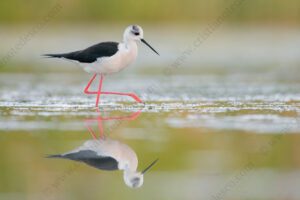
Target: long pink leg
86 90
99 91
126 94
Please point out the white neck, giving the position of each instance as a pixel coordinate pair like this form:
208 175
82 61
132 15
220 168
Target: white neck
129 44
129 50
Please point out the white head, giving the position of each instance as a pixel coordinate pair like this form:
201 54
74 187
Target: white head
135 33
135 179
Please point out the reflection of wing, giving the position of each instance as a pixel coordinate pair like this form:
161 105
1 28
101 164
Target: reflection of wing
91 158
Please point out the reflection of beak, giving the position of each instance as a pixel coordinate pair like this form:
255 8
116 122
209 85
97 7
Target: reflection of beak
146 43
145 170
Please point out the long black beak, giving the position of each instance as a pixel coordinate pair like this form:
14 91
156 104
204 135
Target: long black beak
146 43
145 170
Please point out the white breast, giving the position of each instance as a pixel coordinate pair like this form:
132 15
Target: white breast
107 65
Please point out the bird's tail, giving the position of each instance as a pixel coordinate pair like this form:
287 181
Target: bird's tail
53 55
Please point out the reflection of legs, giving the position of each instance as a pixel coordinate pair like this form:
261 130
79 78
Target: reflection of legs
88 126
99 120
86 90
86 121
135 115
100 125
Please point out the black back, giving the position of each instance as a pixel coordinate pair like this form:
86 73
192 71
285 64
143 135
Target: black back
91 158
91 54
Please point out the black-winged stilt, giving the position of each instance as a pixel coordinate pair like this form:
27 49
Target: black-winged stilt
107 58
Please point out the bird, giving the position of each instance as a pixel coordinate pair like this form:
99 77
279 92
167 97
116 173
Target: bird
109 154
107 58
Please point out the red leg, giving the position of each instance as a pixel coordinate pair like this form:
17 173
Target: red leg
86 90
99 91
126 94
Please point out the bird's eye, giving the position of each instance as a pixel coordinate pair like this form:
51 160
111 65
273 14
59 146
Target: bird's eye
136 33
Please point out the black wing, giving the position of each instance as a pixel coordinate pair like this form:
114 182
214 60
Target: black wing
91 158
91 54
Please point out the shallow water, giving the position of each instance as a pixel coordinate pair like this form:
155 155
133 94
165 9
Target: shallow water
225 102
216 136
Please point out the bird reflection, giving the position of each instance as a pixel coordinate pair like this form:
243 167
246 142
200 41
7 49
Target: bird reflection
108 154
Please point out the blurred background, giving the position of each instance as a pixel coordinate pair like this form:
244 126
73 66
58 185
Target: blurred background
274 12
222 99
243 31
